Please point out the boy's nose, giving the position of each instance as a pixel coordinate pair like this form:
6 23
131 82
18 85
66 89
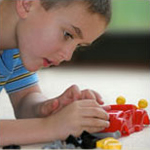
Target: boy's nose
69 52
68 57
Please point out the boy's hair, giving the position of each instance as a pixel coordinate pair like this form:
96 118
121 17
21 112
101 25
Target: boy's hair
101 7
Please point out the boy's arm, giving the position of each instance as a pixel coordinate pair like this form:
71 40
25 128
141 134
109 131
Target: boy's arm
25 102
85 115
31 103
24 131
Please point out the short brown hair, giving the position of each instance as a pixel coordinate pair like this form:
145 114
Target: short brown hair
102 7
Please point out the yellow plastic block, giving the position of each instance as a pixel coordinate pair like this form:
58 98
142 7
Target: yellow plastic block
109 143
120 100
143 103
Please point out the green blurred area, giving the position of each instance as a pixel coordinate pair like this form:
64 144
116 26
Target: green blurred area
130 15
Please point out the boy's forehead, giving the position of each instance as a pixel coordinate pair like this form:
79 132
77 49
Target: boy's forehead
77 17
75 12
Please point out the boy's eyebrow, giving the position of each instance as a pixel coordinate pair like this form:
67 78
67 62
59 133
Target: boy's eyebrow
78 31
80 34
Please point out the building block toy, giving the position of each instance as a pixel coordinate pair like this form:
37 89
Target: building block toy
121 100
59 145
127 118
85 141
124 120
12 147
142 103
109 143
102 135
92 141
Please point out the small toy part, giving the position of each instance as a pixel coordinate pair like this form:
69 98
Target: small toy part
73 140
89 140
143 103
109 143
120 100
59 145
70 146
85 141
54 145
12 147
102 135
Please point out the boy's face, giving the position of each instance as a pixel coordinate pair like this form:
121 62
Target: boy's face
49 37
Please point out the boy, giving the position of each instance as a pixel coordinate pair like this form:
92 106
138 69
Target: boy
47 32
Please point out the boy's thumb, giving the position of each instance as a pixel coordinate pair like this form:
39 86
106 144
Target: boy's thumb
50 107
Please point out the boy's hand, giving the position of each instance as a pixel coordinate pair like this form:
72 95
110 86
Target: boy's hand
71 94
78 116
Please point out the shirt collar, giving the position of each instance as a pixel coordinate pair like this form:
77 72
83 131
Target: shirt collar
6 63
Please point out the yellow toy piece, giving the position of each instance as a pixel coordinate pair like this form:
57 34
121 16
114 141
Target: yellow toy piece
120 100
143 103
109 143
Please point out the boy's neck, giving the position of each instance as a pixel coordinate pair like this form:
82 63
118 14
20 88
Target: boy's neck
7 26
1 52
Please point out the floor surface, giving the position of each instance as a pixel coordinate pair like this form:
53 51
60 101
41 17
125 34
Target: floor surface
111 81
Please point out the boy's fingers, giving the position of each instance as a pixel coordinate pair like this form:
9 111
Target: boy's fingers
90 94
89 103
98 98
106 107
95 122
73 92
98 113
87 94
93 129
49 107
55 104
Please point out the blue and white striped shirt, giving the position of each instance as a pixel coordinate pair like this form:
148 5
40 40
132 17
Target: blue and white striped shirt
13 76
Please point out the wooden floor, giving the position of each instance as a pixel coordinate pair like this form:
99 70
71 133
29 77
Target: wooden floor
111 81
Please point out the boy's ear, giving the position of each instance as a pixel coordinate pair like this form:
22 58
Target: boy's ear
23 7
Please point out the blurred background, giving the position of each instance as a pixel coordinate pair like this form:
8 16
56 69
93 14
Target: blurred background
127 39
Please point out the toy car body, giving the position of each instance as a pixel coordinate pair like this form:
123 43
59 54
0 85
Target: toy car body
127 118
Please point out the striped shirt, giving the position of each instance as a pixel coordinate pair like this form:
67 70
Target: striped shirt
13 75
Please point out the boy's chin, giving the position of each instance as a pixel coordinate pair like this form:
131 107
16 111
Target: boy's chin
32 68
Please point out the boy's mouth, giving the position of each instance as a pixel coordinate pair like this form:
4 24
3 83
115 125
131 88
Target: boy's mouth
46 62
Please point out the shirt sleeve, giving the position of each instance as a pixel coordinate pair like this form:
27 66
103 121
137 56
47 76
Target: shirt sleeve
20 79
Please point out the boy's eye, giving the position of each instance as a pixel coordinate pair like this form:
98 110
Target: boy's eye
67 35
82 45
78 46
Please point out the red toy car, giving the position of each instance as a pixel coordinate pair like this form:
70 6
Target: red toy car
127 118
